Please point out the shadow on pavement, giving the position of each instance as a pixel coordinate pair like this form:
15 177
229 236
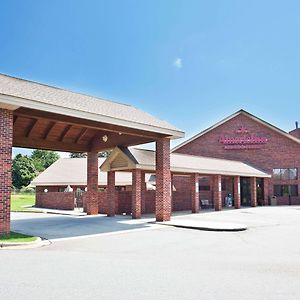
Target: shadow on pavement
57 227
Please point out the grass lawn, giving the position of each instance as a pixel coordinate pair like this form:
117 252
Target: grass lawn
17 237
19 200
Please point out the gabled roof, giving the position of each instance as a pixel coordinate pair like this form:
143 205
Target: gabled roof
73 171
16 92
133 158
240 112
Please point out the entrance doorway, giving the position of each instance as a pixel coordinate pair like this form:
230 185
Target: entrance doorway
260 191
245 191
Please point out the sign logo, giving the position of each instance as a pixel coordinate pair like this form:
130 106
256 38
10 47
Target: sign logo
242 140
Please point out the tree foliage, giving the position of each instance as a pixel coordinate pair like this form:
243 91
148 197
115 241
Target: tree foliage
44 159
83 155
77 155
23 171
25 168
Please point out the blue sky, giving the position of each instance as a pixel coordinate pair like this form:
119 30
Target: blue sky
189 62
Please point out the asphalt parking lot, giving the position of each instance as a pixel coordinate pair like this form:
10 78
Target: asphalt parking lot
117 258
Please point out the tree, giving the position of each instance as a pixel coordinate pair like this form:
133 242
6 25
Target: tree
83 155
23 171
104 153
77 155
43 159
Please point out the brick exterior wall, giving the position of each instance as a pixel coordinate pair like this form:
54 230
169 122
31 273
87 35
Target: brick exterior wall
194 187
6 139
111 193
217 183
278 152
92 183
295 133
163 180
144 190
55 200
237 192
136 194
253 188
181 200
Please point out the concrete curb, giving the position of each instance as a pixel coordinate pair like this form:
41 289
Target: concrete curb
23 245
221 227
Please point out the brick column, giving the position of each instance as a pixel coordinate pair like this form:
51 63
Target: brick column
217 191
237 192
92 184
111 193
136 194
6 139
163 180
144 190
194 185
253 191
266 190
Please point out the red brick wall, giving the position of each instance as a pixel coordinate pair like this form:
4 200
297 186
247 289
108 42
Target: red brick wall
6 136
163 180
278 152
55 200
92 183
295 133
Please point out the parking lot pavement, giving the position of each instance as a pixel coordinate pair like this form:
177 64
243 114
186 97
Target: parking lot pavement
165 262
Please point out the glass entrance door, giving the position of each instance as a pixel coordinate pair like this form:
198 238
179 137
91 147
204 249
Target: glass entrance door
245 191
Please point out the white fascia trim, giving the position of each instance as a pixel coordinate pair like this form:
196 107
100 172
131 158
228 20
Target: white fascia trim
20 102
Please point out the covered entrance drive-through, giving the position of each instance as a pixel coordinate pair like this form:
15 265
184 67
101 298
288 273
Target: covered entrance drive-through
192 168
34 115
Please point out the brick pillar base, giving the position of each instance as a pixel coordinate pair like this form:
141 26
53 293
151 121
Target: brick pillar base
266 190
163 181
217 192
194 185
237 192
136 194
111 193
92 184
253 191
6 138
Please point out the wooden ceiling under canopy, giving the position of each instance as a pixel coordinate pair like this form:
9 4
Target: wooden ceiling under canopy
44 130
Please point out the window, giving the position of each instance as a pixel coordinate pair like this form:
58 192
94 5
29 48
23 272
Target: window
285 174
285 190
204 188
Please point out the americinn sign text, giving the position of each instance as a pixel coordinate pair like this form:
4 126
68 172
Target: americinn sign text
242 140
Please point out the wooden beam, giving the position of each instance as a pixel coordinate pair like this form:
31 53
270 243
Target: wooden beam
81 135
48 130
37 143
31 127
26 112
64 133
97 144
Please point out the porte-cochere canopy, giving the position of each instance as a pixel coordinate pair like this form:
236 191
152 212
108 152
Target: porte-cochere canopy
35 115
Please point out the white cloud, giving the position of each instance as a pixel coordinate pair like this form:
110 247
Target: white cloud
177 63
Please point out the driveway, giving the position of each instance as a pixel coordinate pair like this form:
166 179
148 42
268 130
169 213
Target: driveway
162 262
